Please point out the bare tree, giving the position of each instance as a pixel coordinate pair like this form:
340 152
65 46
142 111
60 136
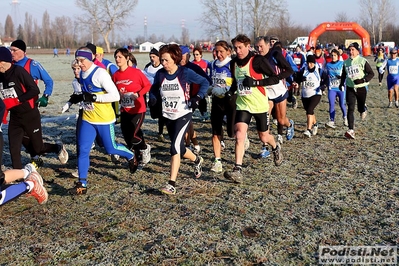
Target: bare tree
9 29
46 30
185 36
376 14
106 15
219 16
63 31
262 14
28 29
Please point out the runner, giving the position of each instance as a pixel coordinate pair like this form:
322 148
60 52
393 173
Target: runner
381 59
132 85
170 89
314 81
248 70
393 78
98 117
221 82
334 72
277 93
357 74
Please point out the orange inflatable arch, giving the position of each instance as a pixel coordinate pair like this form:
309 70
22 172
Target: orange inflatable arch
341 26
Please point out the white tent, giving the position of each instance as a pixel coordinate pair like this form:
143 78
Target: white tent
158 45
146 47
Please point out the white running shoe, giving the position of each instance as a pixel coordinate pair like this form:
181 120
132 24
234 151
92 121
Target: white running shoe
330 124
146 154
350 134
62 153
217 166
346 121
314 129
307 133
280 139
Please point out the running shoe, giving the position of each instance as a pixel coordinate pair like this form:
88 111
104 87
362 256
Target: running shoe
308 133
290 131
390 104
330 124
217 166
115 158
37 161
364 114
196 149
168 190
264 152
350 134
280 139
133 164
397 104
222 144
161 138
62 153
234 175
38 191
78 189
294 103
277 155
314 129
30 168
198 167
346 121
274 123
75 173
146 154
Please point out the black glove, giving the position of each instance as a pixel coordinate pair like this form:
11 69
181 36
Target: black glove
250 82
341 87
358 81
152 101
323 87
194 102
76 98
271 81
228 94
89 97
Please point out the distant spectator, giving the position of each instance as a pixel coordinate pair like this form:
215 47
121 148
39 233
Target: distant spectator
55 52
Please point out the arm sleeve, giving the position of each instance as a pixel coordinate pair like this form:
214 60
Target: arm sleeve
286 69
38 72
145 83
369 72
102 79
203 82
343 76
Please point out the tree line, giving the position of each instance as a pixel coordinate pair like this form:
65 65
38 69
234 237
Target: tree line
252 17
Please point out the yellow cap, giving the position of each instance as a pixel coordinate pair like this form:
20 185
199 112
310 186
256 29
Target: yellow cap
99 50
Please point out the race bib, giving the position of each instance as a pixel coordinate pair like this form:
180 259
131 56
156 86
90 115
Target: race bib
243 90
310 84
353 71
127 101
334 83
393 70
8 93
171 104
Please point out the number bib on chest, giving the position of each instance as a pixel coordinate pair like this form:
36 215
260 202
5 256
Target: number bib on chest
8 93
393 70
127 101
171 104
334 82
353 71
88 106
243 90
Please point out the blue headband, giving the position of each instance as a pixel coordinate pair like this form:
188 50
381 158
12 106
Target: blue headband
83 53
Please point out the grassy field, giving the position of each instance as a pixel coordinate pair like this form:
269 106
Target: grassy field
328 191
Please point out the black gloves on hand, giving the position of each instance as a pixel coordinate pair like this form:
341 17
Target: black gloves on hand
89 97
76 98
152 101
250 82
194 102
323 87
358 81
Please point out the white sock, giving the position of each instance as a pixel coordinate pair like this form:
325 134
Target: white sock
26 173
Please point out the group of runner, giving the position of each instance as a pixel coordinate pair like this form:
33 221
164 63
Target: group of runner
251 84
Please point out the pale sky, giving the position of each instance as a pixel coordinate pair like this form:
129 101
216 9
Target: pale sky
166 17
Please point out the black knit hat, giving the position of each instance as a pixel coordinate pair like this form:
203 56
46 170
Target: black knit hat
92 47
5 55
154 51
19 44
311 59
354 45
